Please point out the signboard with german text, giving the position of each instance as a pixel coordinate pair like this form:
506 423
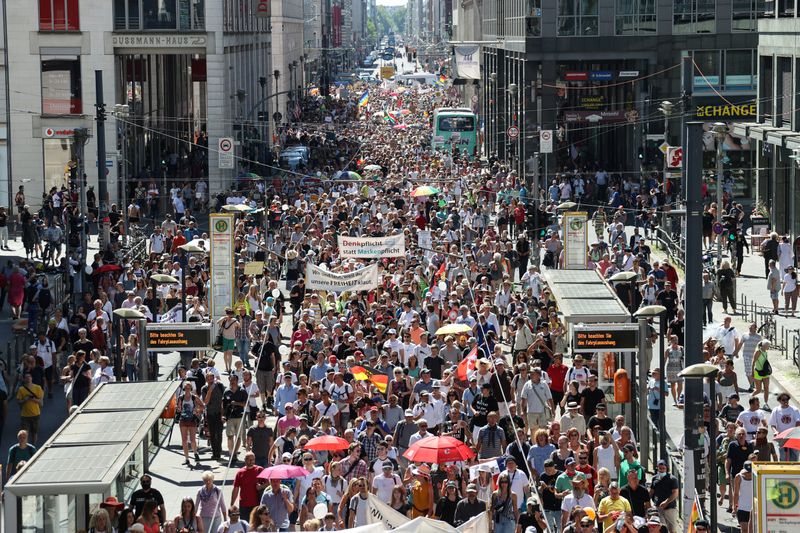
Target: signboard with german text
178 337
222 265
225 152
575 240
776 502
604 338
546 141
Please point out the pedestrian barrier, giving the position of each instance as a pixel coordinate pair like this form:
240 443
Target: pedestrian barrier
783 340
675 249
674 459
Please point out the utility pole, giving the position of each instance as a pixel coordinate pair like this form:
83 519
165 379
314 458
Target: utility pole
693 388
80 138
720 131
121 113
102 179
326 44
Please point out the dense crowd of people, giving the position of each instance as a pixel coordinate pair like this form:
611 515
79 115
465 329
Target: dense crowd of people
551 451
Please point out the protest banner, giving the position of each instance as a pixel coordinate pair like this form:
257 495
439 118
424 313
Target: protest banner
372 247
364 279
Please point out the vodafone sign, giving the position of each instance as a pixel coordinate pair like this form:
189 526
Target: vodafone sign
262 8
58 133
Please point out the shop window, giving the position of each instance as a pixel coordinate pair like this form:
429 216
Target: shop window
59 158
159 15
739 70
59 15
707 70
635 17
61 85
745 14
693 16
577 18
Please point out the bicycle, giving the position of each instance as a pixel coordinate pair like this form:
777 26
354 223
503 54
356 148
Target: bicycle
796 350
768 329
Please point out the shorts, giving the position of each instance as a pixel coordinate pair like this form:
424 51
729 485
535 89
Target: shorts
188 423
265 379
536 420
722 475
742 516
669 518
30 424
232 427
758 377
228 345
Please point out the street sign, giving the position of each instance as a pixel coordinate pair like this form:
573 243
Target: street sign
675 157
664 147
592 339
512 132
718 228
178 336
225 152
474 98
546 141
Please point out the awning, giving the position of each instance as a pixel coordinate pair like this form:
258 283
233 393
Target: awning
93 445
584 296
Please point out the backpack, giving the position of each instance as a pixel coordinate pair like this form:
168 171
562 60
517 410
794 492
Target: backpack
45 298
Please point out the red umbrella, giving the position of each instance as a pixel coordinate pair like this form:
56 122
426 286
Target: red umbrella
327 443
792 443
283 472
438 450
791 433
106 268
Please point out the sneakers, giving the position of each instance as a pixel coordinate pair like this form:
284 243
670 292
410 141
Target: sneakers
766 407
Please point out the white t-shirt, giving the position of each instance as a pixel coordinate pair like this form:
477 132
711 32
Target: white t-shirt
305 481
45 351
327 410
384 486
784 418
241 526
751 420
519 480
570 502
335 489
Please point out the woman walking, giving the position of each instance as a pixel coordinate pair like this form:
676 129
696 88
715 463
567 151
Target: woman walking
188 520
675 359
790 290
762 370
190 406
503 506
210 504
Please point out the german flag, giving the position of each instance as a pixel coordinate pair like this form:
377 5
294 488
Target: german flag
373 375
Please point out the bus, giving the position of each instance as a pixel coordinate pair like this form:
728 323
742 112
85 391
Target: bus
455 126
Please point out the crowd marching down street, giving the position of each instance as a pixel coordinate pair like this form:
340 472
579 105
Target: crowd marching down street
436 382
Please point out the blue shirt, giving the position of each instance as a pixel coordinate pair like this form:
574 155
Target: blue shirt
538 455
653 399
317 373
284 395
277 509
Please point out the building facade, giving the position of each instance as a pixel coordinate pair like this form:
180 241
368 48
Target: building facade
595 72
775 131
191 73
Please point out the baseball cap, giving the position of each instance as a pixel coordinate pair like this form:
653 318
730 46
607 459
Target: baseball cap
654 521
569 461
662 462
472 487
387 465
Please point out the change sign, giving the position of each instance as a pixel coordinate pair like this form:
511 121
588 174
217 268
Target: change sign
177 337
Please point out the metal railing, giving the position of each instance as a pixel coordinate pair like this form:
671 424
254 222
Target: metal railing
674 459
784 340
673 244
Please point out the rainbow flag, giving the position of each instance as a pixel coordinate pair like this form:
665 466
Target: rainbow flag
373 375
364 100
695 516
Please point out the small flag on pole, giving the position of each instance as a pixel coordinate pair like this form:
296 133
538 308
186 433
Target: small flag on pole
364 100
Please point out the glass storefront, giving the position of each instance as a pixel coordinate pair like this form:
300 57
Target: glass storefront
59 158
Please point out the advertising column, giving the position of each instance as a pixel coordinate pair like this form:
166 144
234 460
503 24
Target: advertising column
575 240
222 266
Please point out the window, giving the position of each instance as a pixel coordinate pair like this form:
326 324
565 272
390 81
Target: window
577 18
745 14
456 124
533 23
693 16
58 15
636 17
159 14
707 69
61 85
727 70
740 70
59 155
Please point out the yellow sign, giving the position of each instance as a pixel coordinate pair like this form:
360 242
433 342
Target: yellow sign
776 502
387 72
720 111
254 268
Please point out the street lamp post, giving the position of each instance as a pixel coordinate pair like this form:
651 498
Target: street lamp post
650 311
513 91
666 108
701 371
720 130
121 114
277 116
262 82
126 313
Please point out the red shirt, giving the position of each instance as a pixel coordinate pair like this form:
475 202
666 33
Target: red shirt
590 476
519 215
301 336
246 481
557 376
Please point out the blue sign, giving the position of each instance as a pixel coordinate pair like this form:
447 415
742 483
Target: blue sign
388 57
601 75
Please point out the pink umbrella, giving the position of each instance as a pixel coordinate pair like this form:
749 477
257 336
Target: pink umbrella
283 472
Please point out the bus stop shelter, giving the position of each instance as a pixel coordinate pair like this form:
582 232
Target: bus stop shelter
583 296
101 450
